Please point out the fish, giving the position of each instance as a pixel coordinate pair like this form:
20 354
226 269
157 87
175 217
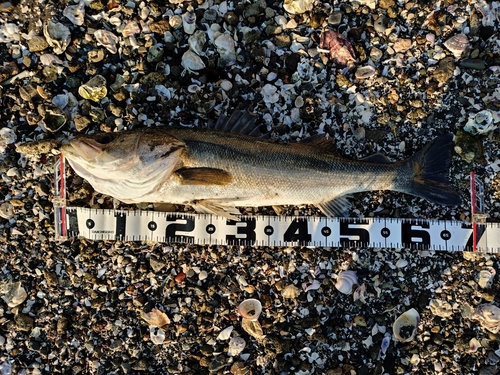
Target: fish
224 166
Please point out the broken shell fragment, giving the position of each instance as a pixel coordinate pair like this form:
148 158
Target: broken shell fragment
457 44
485 277
197 41
250 309
480 123
95 89
131 28
225 47
236 346
338 47
54 119
440 308
290 292
189 21
298 6
346 280
405 326
192 62
13 294
474 345
57 35
364 72
489 317
157 335
75 13
155 318
253 328
107 39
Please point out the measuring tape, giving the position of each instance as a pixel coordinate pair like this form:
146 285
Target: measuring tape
205 229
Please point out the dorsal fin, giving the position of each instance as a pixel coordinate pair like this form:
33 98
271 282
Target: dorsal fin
321 142
377 158
241 122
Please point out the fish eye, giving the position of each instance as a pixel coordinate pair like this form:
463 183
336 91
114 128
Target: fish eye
105 139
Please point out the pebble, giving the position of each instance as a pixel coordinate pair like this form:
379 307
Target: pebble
445 70
37 44
24 322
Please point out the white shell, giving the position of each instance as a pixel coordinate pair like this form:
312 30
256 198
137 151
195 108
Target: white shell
404 324
48 59
364 72
175 21
191 61
225 85
14 294
440 307
298 6
225 334
360 294
457 44
197 41
345 281
250 309
236 346
270 93
480 123
290 292
226 48
485 277
75 13
489 317
107 39
189 21
6 208
157 335
474 345
57 35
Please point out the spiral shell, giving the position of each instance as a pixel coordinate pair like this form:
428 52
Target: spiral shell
345 281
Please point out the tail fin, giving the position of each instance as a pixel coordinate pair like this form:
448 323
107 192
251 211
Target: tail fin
428 168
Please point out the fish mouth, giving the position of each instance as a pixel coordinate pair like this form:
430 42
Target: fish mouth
85 149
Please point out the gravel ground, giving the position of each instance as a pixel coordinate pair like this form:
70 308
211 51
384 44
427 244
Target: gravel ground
375 75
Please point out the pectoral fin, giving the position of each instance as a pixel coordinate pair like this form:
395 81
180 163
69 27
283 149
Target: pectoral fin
214 207
338 207
204 176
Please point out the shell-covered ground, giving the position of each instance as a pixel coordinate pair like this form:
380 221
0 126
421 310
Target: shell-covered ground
374 75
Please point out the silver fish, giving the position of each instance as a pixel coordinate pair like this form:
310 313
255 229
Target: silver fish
217 169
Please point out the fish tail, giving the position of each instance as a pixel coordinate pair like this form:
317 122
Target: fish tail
427 169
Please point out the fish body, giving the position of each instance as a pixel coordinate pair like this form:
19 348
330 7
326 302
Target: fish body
216 170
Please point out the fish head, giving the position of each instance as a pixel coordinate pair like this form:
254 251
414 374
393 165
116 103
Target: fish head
124 164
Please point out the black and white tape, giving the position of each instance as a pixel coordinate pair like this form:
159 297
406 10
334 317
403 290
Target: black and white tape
97 224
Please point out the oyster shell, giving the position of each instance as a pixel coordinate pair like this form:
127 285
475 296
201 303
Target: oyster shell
57 35
250 309
75 13
290 292
13 293
95 89
480 123
405 326
107 39
457 44
253 328
345 281
226 48
441 308
192 62
364 72
489 317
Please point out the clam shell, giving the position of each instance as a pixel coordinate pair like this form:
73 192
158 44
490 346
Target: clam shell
485 277
489 317
155 318
345 281
290 292
405 326
457 44
107 39
441 308
250 309
75 13
191 61
57 35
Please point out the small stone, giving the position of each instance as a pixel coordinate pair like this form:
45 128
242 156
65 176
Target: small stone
81 122
37 44
437 338
445 70
335 18
386 4
218 363
62 325
156 264
240 368
50 277
381 24
231 18
24 322
160 27
476 64
402 45
283 40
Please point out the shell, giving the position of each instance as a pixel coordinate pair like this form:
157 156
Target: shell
225 334
441 308
95 89
175 21
485 277
270 93
339 48
364 72
155 54
236 346
48 59
54 119
131 28
457 44
189 21
226 48
250 309
290 292
191 61
75 13
253 328
360 294
107 39
474 345
298 6
345 281
57 35
155 318
405 326
14 294
480 123
197 42
489 317
157 335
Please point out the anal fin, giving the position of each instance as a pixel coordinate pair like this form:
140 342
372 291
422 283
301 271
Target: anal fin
337 207
222 208
204 176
